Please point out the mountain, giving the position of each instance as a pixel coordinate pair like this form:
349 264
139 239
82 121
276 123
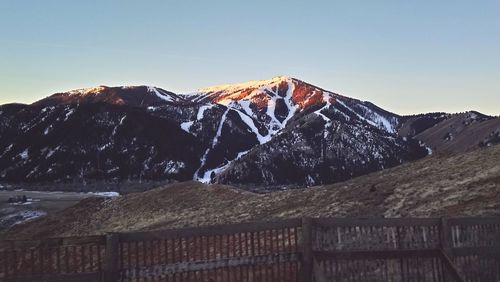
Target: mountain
137 96
462 132
281 132
92 141
465 184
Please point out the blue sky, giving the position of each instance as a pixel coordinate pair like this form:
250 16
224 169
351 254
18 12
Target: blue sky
405 56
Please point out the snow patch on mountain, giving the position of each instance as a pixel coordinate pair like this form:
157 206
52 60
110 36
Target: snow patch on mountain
7 150
214 142
378 119
328 121
219 129
173 167
245 85
51 152
249 121
24 155
207 176
156 92
369 121
87 91
47 130
68 114
186 126
120 123
289 103
21 216
233 97
202 110
104 194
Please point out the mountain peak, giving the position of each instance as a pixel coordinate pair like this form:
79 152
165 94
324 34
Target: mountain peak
141 96
86 91
253 84
261 92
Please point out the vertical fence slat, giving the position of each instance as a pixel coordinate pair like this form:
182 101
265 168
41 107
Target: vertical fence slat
306 246
111 257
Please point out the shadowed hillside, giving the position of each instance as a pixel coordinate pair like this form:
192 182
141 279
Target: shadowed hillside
459 185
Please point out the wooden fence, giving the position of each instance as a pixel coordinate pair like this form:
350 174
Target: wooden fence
319 249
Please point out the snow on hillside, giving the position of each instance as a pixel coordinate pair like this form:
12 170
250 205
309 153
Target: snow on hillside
237 87
265 107
135 132
87 91
158 94
243 98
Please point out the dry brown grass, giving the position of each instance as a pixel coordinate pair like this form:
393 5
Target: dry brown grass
460 185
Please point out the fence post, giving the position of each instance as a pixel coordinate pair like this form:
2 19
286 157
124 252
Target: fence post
445 239
111 258
306 246
445 245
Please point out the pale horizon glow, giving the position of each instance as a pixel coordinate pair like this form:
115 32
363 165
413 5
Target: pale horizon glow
407 57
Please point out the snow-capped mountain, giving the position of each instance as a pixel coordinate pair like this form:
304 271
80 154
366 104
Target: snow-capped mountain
281 131
136 96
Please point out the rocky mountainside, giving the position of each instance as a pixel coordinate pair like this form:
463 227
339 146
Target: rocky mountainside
274 132
92 141
466 184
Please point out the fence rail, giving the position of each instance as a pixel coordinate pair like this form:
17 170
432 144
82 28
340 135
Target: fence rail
308 249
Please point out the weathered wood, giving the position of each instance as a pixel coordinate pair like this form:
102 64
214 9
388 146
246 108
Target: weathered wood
319 272
208 230
354 222
384 254
445 238
206 265
306 270
264 250
492 251
474 220
53 242
111 258
450 267
75 277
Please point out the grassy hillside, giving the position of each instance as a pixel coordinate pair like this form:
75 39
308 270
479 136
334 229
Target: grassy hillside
459 185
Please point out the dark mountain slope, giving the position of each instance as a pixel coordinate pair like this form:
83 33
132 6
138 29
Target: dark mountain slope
413 125
324 146
462 132
93 141
460 185
136 96
281 131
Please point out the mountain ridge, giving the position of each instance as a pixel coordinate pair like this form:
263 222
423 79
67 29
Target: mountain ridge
281 131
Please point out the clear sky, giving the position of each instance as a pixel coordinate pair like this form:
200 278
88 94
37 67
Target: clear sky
405 56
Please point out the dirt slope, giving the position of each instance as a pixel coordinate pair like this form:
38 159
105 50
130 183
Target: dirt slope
459 185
